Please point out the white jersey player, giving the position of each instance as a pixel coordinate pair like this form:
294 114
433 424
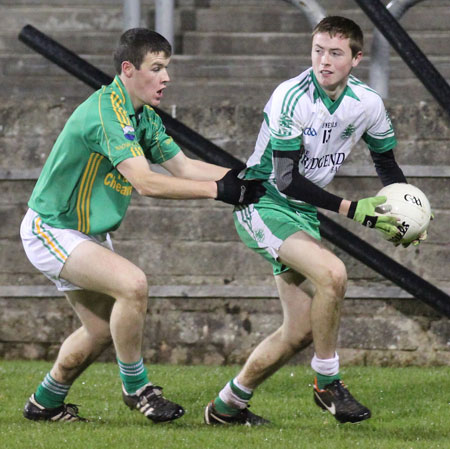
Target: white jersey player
310 125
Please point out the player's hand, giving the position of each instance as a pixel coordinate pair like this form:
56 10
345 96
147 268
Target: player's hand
419 239
232 190
415 242
363 212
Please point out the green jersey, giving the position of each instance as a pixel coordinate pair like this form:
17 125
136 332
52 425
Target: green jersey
79 187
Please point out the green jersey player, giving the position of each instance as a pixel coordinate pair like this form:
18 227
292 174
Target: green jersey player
310 125
83 194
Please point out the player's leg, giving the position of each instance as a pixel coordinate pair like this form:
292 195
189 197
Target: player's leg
85 344
309 257
95 268
75 261
292 336
76 353
230 406
327 273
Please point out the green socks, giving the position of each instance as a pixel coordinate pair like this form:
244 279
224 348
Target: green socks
323 380
133 375
232 398
51 394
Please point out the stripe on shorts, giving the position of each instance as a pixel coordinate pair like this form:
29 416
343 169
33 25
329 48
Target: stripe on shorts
48 240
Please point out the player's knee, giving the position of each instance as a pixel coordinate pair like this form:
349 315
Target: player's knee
137 290
335 280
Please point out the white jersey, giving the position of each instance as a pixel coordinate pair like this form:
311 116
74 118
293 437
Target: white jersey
300 117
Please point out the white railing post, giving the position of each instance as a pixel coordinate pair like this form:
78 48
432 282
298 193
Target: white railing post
380 52
164 19
131 14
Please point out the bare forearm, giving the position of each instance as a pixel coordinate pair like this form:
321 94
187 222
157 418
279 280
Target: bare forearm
149 183
162 186
203 171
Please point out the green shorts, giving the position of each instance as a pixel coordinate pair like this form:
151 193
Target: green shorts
264 226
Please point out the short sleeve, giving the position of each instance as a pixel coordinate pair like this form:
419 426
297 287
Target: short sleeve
379 136
282 118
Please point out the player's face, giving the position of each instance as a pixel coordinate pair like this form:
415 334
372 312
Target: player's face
332 61
147 84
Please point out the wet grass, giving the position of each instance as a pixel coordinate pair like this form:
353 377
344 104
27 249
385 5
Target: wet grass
410 408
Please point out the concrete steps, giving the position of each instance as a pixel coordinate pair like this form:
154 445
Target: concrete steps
217 55
264 17
219 87
282 43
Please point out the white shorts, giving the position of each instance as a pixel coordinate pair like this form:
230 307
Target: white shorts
48 248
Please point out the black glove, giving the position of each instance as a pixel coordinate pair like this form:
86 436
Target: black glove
232 190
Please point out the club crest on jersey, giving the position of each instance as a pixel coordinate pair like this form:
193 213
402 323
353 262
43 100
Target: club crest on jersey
128 132
348 132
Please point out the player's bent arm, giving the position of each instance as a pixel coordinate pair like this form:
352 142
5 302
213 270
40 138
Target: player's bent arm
292 183
185 167
148 183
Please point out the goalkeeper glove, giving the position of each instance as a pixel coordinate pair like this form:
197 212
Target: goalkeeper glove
232 190
363 211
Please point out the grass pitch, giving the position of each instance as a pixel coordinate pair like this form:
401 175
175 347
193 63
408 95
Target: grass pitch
410 410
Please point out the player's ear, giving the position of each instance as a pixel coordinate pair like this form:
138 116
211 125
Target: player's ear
127 68
357 58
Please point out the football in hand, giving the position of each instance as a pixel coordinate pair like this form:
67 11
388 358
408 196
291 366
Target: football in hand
410 205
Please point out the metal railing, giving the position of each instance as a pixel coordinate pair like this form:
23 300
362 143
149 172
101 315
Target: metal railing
380 51
400 40
164 17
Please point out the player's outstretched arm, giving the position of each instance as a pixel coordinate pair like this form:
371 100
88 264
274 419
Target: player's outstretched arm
229 189
182 166
149 183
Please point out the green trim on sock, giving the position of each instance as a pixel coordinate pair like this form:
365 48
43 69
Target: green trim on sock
239 393
223 408
323 381
133 375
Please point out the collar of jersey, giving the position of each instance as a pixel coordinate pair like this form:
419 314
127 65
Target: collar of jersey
119 88
326 100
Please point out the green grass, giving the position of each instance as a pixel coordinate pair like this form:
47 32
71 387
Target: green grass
410 409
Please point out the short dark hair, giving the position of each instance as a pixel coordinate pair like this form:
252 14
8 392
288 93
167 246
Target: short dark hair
135 43
334 25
